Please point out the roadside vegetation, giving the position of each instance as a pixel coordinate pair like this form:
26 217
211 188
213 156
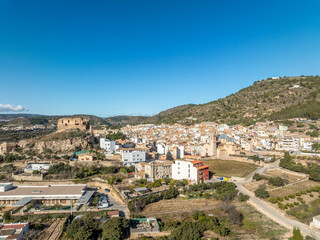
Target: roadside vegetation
65 171
312 169
86 227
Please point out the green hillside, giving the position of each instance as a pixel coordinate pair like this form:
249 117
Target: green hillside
269 99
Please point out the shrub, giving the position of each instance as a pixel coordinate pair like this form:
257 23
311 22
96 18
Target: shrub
280 199
273 200
257 177
261 193
207 195
276 181
243 197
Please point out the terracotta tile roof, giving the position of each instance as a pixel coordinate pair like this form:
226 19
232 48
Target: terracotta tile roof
13 226
196 161
113 213
203 167
14 236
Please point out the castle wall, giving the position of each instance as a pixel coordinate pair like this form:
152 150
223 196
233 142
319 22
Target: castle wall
65 124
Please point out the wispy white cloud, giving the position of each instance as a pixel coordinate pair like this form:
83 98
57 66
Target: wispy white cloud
11 108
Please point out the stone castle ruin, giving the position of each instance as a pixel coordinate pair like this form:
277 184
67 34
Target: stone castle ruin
79 123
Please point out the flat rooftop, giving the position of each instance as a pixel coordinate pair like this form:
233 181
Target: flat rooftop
49 191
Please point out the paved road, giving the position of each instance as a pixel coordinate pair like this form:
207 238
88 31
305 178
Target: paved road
272 212
114 205
261 170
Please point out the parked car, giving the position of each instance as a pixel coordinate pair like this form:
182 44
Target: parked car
107 190
103 202
102 205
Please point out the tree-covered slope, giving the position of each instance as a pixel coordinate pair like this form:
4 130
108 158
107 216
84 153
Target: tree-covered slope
265 99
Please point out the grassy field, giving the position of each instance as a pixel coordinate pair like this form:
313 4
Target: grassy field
229 168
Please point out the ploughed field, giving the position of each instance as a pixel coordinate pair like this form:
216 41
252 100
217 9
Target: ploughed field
230 168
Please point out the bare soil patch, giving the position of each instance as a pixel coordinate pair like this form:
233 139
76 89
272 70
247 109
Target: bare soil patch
179 209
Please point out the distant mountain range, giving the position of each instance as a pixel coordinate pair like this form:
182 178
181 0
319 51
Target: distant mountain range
17 115
269 99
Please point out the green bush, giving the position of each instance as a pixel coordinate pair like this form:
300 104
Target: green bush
257 177
243 197
276 181
261 193
273 200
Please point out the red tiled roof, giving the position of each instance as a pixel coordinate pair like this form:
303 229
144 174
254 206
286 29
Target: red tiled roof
196 161
14 226
13 236
111 213
203 167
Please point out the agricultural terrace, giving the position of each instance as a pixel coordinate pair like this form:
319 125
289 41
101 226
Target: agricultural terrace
301 205
182 210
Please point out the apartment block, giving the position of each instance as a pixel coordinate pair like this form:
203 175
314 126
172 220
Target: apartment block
108 145
194 171
158 170
131 156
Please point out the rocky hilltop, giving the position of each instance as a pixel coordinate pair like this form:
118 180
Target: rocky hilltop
58 143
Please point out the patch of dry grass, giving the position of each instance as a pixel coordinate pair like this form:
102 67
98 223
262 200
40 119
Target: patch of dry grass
230 168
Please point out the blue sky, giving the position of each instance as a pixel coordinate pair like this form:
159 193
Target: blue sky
141 57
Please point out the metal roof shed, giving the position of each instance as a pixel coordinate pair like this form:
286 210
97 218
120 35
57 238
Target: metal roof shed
22 202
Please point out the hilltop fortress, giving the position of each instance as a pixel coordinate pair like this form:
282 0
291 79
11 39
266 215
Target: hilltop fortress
65 124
